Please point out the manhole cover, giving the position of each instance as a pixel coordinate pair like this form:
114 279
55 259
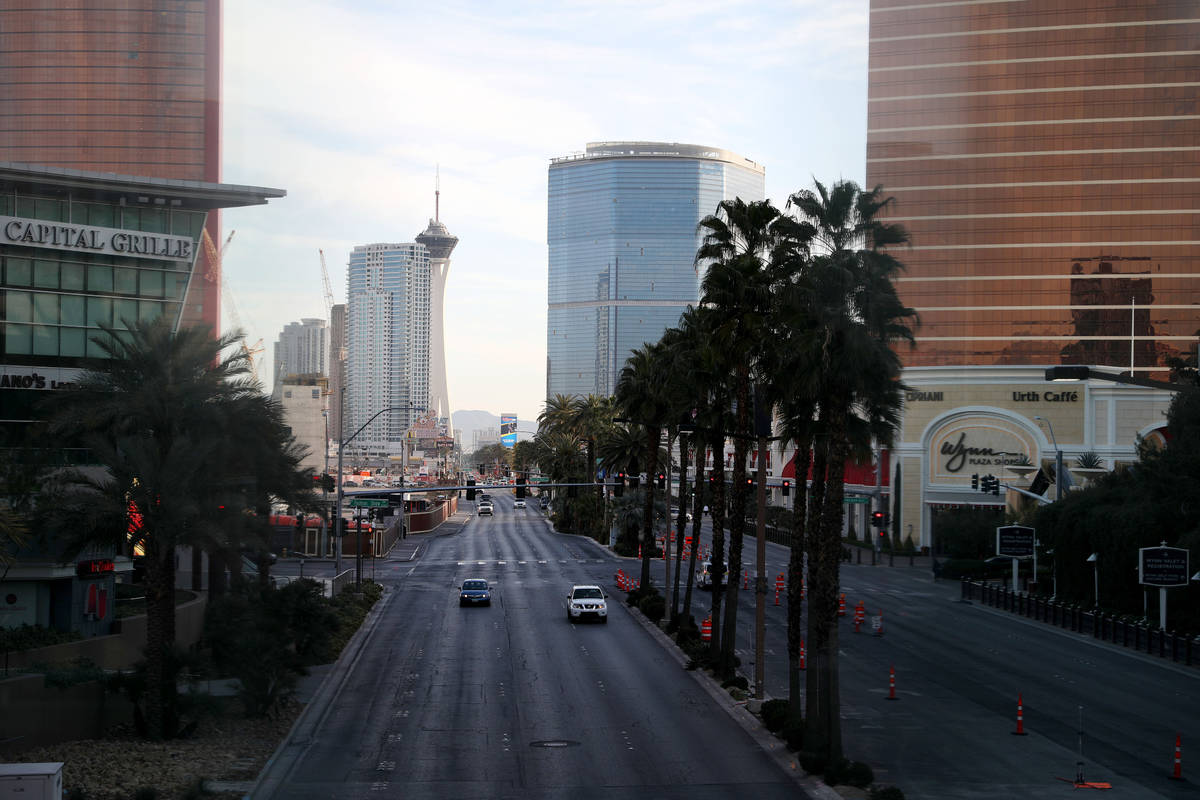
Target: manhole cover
554 743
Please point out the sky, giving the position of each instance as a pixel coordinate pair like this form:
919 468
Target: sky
353 107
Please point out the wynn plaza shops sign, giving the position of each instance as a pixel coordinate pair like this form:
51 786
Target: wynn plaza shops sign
977 444
90 239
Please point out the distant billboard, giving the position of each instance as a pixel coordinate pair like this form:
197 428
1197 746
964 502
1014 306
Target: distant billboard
508 430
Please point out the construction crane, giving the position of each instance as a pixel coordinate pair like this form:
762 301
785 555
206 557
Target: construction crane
213 275
328 290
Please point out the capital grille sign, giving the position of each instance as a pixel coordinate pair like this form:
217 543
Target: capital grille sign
91 239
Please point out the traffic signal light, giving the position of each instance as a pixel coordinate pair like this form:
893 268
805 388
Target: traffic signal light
327 482
878 519
339 528
572 491
990 484
619 489
787 488
662 480
521 488
481 466
470 488
975 482
300 522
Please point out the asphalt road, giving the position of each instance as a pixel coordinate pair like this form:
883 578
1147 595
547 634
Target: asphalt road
959 671
513 700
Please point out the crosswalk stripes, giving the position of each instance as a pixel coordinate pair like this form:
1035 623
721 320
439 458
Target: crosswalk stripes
540 562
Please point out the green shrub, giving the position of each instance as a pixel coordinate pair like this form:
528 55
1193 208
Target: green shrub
853 773
887 793
793 735
737 694
687 633
813 763
636 596
737 681
774 714
654 606
267 638
69 673
27 637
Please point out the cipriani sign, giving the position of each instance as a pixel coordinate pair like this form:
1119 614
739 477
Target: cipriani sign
91 239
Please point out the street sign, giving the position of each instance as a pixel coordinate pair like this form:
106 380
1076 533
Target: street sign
1014 541
368 502
857 500
1163 566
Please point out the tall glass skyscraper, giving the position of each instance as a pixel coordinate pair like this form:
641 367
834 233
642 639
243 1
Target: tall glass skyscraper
622 238
387 342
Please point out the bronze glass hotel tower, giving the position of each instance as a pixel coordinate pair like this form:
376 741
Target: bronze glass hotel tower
131 88
1045 156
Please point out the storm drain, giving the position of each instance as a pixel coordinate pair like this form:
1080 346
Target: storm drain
555 743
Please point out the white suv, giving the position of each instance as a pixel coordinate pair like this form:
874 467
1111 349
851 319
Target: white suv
587 601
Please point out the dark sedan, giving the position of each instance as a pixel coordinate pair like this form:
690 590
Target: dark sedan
475 592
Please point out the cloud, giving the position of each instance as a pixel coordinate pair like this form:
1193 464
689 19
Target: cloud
351 106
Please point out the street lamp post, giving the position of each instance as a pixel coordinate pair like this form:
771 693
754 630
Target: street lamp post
1058 465
1095 559
341 492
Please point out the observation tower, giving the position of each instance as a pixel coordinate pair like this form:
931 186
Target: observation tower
439 243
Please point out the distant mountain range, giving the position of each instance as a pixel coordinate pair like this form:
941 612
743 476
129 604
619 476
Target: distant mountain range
468 422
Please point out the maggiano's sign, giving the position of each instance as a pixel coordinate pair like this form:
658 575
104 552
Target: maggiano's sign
90 239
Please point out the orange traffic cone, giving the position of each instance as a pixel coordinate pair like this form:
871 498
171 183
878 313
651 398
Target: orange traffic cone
1177 775
842 605
706 629
1020 731
802 660
892 684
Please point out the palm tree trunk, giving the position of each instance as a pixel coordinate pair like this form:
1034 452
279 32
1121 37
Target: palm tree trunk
600 535
798 543
160 691
813 692
718 537
679 525
824 725
832 544
697 521
652 437
737 522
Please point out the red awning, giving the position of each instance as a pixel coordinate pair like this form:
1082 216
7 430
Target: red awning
856 474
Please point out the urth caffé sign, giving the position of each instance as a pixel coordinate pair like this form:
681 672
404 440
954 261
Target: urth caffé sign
90 239
977 444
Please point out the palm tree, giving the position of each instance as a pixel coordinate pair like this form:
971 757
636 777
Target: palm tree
738 243
854 317
592 418
710 382
163 418
641 392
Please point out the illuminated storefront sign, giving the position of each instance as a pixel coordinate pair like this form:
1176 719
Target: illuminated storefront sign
90 239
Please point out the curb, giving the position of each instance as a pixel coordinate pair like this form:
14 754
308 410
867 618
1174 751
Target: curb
770 744
299 737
